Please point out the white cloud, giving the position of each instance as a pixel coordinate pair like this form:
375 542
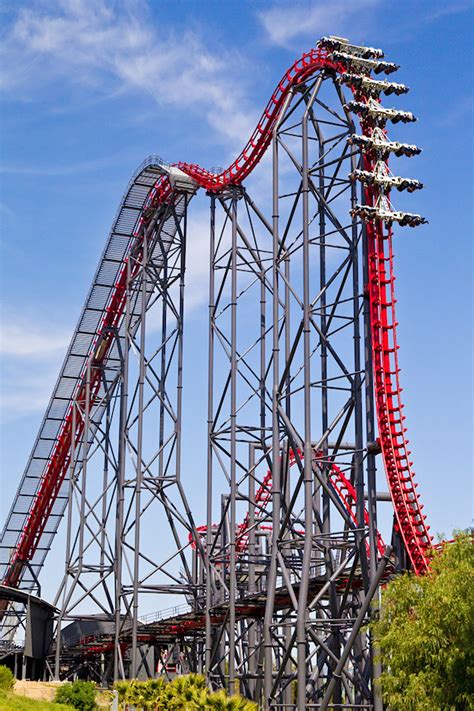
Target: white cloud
30 394
286 23
59 170
450 8
31 354
456 113
108 47
22 338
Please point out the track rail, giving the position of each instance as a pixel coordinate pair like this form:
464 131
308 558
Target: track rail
396 455
406 502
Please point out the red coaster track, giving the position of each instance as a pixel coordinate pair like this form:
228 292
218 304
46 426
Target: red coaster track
384 342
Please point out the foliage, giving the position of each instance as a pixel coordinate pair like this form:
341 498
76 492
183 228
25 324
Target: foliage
79 694
425 634
184 693
13 702
6 678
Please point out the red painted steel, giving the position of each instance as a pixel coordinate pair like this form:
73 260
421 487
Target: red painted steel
396 455
381 288
389 406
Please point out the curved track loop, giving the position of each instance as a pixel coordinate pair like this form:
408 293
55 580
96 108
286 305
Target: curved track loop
384 343
347 494
341 485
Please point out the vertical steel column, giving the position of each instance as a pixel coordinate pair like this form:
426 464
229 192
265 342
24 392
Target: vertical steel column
370 412
268 644
85 448
357 395
210 421
139 465
121 473
326 524
371 463
233 447
72 464
275 437
252 553
308 450
322 302
162 388
105 485
179 362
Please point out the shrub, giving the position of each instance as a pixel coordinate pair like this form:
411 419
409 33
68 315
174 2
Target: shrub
79 694
6 678
183 693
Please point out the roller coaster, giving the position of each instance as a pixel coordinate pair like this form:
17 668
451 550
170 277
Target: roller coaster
273 592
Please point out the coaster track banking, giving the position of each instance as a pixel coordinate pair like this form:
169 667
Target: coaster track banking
163 197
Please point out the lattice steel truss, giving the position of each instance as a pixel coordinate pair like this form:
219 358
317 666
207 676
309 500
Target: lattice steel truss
71 377
128 477
290 397
279 580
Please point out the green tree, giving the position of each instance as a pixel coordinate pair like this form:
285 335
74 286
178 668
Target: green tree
426 633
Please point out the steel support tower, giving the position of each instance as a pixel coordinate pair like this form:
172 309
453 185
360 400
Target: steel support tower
290 393
273 587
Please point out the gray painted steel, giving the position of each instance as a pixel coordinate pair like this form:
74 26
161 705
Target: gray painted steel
72 372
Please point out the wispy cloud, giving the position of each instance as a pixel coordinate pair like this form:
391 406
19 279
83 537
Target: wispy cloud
449 8
108 47
287 23
31 354
58 170
21 337
32 350
457 113
29 395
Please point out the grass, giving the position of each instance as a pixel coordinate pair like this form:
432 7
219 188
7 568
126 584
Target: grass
13 702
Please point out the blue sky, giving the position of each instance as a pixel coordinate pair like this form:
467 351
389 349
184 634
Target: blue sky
90 88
